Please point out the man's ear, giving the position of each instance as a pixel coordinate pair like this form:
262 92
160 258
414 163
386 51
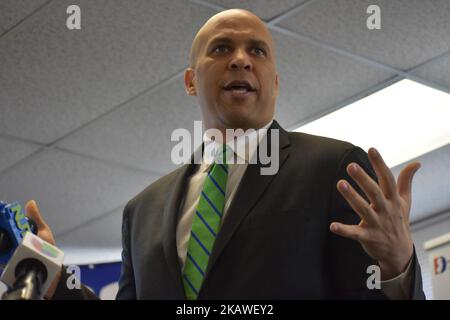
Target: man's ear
189 83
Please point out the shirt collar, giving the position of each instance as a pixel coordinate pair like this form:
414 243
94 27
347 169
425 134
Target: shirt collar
243 146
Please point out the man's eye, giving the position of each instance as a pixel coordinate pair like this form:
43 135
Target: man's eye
259 52
220 49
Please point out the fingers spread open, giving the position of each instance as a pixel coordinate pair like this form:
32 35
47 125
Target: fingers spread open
357 202
371 189
385 176
405 177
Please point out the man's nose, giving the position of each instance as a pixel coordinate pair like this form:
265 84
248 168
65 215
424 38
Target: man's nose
240 60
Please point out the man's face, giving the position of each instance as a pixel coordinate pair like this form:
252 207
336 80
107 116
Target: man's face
234 75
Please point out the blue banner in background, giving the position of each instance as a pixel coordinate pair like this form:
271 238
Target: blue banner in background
102 278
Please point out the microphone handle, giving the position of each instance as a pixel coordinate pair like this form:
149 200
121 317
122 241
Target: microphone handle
30 275
25 288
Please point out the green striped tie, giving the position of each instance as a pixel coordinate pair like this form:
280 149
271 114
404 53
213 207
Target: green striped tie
205 226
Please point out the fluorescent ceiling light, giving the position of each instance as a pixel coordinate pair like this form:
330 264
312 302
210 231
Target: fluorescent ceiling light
403 121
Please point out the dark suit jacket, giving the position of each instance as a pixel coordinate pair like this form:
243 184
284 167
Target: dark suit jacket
275 242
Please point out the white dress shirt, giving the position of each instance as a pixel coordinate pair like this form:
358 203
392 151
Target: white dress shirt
196 180
396 288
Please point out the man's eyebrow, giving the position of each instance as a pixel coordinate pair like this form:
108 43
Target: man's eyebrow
226 40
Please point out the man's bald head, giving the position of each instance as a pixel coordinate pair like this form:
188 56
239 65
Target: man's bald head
221 19
233 46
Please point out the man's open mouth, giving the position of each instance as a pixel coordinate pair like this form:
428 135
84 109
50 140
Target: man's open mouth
239 86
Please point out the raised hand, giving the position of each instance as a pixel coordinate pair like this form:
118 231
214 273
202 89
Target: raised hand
384 230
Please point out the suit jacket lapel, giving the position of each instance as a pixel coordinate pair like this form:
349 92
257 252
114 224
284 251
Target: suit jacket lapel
250 190
171 215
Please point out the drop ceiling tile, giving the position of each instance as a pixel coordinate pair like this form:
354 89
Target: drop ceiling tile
437 71
102 232
412 31
139 134
265 9
314 80
54 80
12 11
13 151
71 189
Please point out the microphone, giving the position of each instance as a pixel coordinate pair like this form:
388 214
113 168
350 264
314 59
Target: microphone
13 226
32 269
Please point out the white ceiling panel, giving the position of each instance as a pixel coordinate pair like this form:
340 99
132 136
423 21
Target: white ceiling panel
55 80
437 71
412 31
13 11
139 134
265 9
71 189
13 151
102 232
312 79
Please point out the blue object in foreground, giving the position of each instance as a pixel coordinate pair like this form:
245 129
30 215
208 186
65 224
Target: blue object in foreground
13 226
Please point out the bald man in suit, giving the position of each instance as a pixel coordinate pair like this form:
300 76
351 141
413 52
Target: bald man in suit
312 229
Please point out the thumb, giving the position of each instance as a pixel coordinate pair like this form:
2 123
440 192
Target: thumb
32 212
404 182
